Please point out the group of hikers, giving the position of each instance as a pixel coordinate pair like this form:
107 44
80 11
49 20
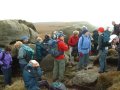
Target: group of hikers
80 44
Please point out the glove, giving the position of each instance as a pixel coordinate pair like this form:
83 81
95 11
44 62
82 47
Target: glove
81 54
90 52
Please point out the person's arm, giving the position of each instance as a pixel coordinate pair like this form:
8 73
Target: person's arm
39 71
21 53
79 44
63 46
70 42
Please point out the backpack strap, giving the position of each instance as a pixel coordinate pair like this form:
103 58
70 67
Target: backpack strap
3 56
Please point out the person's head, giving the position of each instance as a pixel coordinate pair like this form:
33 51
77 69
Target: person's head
84 28
100 30
76 33
54 32
61 36
47 36
85 32
25 39
39 39
114 39
34 63
18 44
7 48
113 23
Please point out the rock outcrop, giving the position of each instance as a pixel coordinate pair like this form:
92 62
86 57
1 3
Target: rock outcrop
12 30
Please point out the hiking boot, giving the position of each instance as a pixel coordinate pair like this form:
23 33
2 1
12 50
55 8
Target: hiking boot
100 72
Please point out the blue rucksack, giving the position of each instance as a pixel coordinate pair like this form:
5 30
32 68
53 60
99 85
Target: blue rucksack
53 48
29 53
106 37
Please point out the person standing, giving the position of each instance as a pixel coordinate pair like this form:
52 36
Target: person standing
102 51
73 43
6 62
116 29
59 62
84 47
39 49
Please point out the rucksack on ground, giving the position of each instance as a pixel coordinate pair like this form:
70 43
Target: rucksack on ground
29 53
57 86
53 48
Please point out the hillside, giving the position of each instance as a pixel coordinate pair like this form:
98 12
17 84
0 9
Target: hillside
44 27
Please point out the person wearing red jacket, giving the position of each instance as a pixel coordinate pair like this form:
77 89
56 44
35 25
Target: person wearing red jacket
59 62
73 43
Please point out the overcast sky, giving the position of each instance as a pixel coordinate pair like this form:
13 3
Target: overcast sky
97 12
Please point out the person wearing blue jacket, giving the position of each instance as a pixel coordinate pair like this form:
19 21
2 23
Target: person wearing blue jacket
39 52
84 48
32 76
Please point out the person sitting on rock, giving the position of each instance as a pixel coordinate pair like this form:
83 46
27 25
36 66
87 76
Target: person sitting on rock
32 76
115 41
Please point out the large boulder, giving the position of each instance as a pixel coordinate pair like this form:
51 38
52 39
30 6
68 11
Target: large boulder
85 77
12 30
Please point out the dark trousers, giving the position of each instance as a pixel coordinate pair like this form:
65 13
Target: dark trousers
118 67
7 75
22 67
44 83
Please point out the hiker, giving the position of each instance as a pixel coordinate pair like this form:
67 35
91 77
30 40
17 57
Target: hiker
82 29
59 62
22 54
102 50
95 41
5 63
73 43
32 76
115 41
84 48
46 38
54 35
116 29
39 49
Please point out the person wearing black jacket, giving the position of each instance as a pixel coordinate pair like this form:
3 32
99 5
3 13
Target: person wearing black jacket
116 29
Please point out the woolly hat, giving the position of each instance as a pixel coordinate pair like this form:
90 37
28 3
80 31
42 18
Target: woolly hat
75 32
33 61
101 29
24 38
84 31
61 34
112 37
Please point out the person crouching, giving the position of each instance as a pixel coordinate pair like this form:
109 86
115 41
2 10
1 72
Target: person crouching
32 76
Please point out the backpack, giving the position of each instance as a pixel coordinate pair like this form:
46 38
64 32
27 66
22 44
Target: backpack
2 54
106 37
29 53
82 43
57 86
95 36
53 48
